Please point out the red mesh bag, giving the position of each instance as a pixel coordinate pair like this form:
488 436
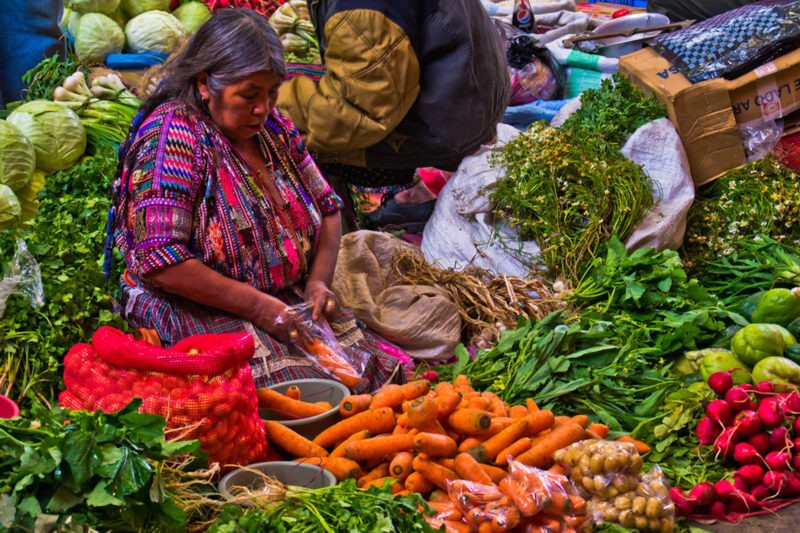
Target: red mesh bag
202 386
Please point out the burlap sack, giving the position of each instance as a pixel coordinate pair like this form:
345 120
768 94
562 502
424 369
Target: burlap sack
422 320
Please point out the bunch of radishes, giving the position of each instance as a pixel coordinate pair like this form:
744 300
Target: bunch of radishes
758 428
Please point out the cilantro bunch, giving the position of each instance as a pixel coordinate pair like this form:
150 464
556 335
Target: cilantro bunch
95 469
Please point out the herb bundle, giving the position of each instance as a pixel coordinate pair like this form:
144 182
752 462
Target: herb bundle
571 188
43 79
67 239
340 508
95 469
762 197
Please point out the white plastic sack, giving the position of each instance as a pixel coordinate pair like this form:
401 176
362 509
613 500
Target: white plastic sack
462 230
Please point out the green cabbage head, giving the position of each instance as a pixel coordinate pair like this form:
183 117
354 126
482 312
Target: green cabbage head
28 196
154 31
9 208
56 132
192 15
96 37
17 157
136 7
92 6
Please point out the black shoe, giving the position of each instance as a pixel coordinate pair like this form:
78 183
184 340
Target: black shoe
410 217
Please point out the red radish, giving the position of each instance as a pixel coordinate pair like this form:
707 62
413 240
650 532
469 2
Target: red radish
743 502
707 431
761 493
793 484
751 474
748 387
778 461
796 426
678 497
720 411
761 442
725 443
747 423
740 484
431 375
770 413
720 382
737 398
792 403
765 388
746 454
702 494
724 488
779 439
718 510
796 462
752 406
774 482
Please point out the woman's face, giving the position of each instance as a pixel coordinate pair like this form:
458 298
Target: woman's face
243 106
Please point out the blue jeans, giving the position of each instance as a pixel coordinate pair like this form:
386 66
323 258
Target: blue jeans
29 33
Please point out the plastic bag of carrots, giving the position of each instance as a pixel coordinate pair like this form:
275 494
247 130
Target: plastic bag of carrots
318 343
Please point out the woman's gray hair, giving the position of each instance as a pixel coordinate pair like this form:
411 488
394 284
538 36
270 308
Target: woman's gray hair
231 45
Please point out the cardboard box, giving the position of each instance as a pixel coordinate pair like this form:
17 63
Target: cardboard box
708 114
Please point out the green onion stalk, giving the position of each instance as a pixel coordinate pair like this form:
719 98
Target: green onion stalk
106 109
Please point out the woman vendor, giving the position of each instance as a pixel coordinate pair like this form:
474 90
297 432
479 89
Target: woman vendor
222 216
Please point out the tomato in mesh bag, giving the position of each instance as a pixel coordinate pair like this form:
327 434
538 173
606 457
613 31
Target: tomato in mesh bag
201 386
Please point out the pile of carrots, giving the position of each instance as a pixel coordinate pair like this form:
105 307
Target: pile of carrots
423 440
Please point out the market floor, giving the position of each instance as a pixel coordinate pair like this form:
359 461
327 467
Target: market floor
784 521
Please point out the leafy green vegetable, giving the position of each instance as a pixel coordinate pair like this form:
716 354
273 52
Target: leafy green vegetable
342 508
47 75
56 133
95 468
67 239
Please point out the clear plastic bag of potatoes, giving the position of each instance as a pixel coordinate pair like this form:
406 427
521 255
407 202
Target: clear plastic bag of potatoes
647 508
601 468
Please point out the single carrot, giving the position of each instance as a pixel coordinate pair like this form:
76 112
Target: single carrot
641 447
495 473
379 471
517 411
291 441
447 402
437 474
469 421
422 412
400 467
478 402
374 420
435 445
540 421
496 405
522 498
400 430
389 396
485 527
561 419
446 510
447 462
293 392
505 519
531 405
540 454
512 450
414 389
378 447
467 397
416 482
581 420
285 406
438 495
324 405
506 437
461 384
338 366
342 467
470 442
468 468
435 427
354 404
338 451
558 470
444 387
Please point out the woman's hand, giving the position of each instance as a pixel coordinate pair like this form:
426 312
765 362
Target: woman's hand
321 299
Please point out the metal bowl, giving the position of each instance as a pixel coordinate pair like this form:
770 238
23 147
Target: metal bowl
620 45
287 472
311 390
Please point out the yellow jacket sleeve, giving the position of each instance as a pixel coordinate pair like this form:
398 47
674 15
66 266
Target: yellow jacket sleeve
371 82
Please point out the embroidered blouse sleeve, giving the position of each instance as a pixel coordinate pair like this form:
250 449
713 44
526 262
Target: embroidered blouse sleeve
327 200
165 184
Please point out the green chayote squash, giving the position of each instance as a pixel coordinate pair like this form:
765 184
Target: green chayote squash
777 370
754 342
719 360
776 306
747 307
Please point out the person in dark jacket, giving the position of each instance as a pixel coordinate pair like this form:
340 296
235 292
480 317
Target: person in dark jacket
417 83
